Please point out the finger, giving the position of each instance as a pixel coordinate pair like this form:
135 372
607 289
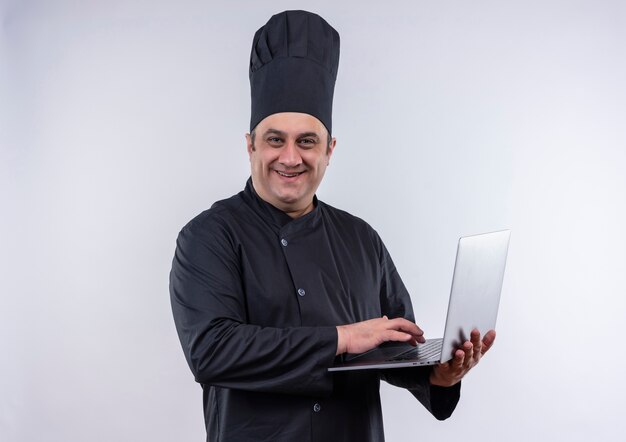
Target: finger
488 340
475 336
468 350
412 341
477 345
394 335
459 357
417 340
405 325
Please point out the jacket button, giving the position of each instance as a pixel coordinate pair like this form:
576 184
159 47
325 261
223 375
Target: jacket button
284 242
301 292
317 408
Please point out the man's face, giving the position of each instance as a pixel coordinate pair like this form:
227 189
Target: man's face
288 158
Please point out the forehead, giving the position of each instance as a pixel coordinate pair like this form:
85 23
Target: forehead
291 123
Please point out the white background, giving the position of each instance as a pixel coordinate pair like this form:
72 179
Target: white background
120 120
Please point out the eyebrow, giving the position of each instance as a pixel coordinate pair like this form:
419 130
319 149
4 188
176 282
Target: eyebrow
284 134
308 134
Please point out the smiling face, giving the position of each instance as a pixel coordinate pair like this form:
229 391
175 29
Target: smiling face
289 153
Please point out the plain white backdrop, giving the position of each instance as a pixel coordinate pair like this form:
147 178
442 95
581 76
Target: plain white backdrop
120 120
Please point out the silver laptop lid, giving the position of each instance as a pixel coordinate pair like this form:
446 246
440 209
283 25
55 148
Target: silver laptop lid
476 287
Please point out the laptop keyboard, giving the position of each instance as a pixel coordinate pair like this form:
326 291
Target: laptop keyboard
427 350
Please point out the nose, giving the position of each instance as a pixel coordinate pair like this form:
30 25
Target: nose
289 155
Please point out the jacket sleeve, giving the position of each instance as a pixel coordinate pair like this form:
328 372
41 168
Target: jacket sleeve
396 302
208 303
440 401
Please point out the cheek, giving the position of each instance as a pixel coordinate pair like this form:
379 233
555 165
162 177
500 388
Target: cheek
322 163
259 161
259 170
268 158
314 160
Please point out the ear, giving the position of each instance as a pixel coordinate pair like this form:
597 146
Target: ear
330 150
249 144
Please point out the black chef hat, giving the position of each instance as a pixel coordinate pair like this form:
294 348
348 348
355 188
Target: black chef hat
293 67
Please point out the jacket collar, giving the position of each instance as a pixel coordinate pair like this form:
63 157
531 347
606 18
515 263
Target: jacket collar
277 217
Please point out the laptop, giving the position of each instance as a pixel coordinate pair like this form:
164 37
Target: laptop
474 301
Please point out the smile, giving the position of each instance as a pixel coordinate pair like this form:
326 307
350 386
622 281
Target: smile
288 175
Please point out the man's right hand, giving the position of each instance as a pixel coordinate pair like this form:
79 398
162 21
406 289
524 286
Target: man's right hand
366 335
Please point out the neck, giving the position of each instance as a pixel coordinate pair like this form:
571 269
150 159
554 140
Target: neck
289 210
300 212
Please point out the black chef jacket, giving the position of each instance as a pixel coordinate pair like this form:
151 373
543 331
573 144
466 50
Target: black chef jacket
257 296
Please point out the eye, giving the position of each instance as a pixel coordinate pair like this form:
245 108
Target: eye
307 143
274 141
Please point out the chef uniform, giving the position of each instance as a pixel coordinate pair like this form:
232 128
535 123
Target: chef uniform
257 295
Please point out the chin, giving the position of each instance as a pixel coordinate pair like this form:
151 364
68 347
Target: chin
288 200
287 195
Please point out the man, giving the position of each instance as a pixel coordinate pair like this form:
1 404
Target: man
271 285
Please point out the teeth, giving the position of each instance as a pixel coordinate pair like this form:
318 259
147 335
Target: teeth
288 175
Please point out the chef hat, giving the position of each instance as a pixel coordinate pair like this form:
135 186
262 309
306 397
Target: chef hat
293 67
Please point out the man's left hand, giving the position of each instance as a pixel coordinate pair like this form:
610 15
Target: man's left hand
465 358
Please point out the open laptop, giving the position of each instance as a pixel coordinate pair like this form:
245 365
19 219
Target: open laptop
474 301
